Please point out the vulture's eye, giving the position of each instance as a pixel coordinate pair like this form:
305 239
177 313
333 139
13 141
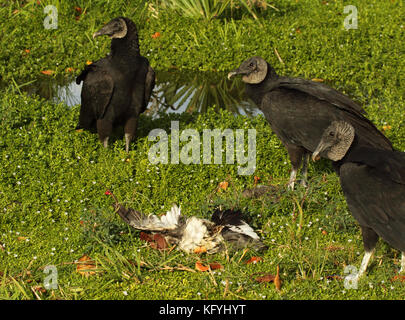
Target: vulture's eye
332 134
251 65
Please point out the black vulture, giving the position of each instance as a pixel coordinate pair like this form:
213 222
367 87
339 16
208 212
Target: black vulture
192 233
299 110
116 89
373 182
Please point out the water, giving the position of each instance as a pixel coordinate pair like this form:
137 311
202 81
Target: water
174 92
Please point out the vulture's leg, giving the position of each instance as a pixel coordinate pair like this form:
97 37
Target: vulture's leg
295 153
130 131
402 263
370 239
104 129
304 170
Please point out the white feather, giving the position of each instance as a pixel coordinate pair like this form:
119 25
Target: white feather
244 229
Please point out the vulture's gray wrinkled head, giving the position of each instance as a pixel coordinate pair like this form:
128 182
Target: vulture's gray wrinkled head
116 28
253 70
335 142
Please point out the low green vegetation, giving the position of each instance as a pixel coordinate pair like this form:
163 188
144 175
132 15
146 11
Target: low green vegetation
53 207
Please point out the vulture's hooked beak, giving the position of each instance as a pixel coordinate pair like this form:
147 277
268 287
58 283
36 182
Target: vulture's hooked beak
319 149
116 28
235 73
315 156
106 30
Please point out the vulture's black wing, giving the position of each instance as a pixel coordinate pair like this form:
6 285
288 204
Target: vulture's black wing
388 164
149 85
322 92
235 230
97 91
375 201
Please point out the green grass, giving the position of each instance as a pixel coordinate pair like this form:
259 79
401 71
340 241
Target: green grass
53 179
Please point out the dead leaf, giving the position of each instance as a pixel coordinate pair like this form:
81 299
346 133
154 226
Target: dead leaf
200 250
160 241
200 267
254 260
69 69
47 72
22 238
223 185
257 179
156 35
318 80
398 277
84 266
215 266
145 237
324 232
88 62
267 277
277 279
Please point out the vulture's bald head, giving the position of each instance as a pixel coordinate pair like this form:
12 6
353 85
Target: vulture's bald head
253 70
116 28
335 142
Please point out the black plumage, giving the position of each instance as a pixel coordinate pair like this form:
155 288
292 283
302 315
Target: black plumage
373 182
299 110
193 233
116 89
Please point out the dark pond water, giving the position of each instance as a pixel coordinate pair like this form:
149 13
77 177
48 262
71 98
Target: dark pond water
174 91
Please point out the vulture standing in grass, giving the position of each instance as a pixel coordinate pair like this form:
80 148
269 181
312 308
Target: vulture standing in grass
191 233
373 182
299 110
116 89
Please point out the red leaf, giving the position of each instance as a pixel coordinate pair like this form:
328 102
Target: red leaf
47 72
160 241
267 277
254 260
215 266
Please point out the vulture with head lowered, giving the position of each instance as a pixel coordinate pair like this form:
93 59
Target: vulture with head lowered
116 89
299 110
373 182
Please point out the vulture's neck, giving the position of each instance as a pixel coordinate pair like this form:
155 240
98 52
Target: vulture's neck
125 48
257 91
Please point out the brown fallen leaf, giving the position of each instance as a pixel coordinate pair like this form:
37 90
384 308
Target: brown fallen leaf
324 232
216 266
85 265
145 237
318 80
156 35
22 238
277 279
254 260
200 267
267 277
398 277
223 185
160 241
200 250
47 72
